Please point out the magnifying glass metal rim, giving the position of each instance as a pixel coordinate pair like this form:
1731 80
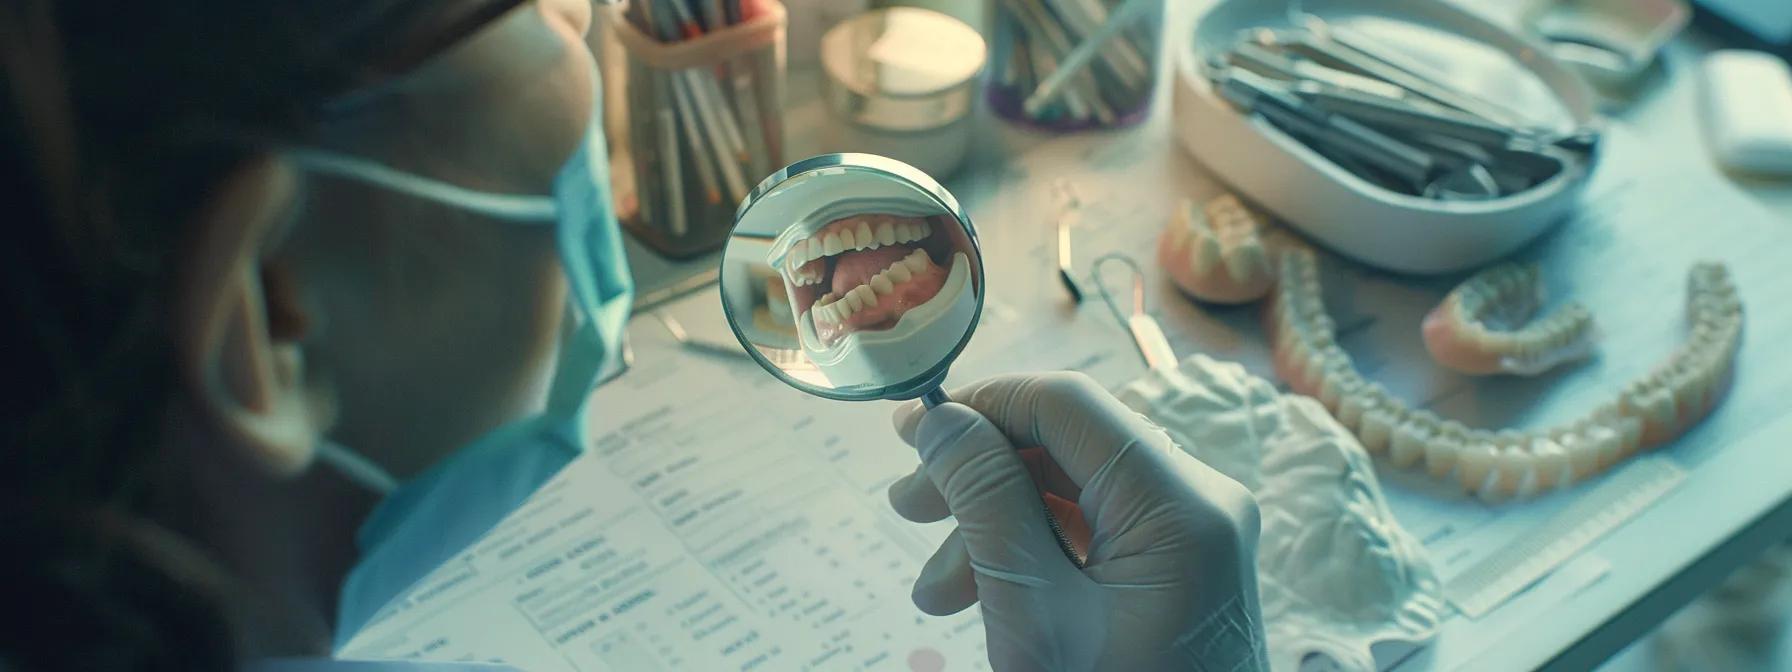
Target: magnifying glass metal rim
925 385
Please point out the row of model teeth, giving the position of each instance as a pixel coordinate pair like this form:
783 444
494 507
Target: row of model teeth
869 233
832 309
1224 238
1509 463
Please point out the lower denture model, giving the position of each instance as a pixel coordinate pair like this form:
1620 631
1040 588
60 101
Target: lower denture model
1485 326
1496 465
1217 253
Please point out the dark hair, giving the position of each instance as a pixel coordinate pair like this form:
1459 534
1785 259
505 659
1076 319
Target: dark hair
115 120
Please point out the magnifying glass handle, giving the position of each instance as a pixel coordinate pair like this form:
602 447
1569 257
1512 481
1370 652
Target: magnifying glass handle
937 396
934 397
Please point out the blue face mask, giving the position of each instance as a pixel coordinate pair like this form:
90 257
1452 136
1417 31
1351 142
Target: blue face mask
424 522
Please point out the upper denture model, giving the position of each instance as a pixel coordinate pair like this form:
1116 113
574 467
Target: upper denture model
1497 465
1485 325
1217 253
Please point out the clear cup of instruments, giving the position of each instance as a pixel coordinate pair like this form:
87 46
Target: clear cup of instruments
693 110
1070 65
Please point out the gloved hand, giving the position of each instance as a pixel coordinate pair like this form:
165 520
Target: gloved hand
1170 578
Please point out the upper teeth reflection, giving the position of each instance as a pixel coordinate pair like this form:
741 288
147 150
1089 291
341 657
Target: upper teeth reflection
865 232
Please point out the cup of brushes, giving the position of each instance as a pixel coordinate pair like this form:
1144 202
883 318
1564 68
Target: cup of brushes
693 108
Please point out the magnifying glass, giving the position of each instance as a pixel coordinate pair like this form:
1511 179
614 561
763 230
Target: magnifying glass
856 277
853 277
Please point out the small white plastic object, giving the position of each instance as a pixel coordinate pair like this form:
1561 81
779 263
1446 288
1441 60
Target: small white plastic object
1748 110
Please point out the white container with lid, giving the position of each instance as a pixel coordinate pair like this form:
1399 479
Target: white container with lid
902 82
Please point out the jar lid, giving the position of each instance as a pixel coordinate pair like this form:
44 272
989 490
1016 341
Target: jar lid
902 68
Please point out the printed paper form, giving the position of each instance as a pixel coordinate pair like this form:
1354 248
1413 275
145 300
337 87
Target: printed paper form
722 522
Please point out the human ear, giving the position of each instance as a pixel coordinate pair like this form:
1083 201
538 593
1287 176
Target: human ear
240 319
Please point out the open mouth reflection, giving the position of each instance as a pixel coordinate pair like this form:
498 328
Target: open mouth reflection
864 272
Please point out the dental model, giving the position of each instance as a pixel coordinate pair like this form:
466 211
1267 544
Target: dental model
1652 410
869 291
1336 572
1485 326
1217 253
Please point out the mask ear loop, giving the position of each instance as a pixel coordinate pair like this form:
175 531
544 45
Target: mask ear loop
356 467
502 206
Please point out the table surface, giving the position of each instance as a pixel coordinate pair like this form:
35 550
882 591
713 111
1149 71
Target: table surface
1736 500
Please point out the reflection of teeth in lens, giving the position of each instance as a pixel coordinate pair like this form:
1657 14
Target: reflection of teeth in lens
862 232
917 261
804 274
825 311
865 297
834 308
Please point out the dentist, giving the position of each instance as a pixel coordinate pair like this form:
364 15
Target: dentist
306 295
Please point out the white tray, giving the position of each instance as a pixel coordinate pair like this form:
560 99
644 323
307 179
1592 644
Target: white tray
1397 232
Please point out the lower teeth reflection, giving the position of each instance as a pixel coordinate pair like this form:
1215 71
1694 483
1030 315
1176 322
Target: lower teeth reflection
898 341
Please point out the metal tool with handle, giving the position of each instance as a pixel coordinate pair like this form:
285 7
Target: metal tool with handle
1147 334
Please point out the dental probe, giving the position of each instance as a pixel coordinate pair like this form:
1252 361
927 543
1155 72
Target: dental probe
1147 334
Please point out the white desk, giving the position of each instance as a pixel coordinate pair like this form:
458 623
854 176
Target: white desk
1736 501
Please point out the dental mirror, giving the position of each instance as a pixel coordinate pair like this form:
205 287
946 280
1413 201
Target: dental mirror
853 277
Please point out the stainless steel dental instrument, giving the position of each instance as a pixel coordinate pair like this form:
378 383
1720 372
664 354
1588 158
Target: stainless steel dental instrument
1147 334
1069 208
1385 113
1345 47
1258 95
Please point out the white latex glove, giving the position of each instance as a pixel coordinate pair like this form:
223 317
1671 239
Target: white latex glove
1170 578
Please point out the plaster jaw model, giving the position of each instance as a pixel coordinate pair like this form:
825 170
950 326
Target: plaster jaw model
869 291
1485 325
1336 572
1652 410
1217 253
